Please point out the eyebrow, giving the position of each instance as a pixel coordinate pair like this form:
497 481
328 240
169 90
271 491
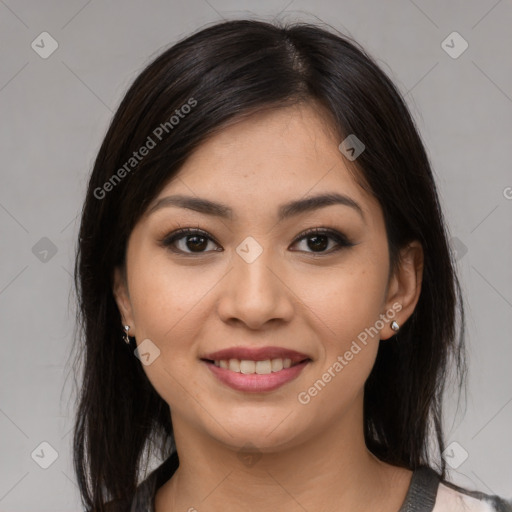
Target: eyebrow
285 211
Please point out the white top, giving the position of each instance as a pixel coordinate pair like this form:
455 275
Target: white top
450 500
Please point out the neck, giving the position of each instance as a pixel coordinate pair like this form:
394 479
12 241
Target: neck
332 471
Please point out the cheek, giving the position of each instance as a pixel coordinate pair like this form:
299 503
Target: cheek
170 305
346 305
166 305
164 298
345 311
344 301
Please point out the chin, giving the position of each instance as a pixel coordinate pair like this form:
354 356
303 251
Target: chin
265 432
258 442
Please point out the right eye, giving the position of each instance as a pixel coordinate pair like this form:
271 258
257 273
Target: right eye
195 240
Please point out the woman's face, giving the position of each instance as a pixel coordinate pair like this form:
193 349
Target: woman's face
252 279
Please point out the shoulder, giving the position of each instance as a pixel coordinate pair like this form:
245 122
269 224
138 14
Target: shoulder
452 498
429 492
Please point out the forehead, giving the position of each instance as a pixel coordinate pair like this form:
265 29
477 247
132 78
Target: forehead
288 140
270 158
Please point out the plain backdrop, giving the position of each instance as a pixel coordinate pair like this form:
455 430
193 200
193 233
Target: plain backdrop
54 112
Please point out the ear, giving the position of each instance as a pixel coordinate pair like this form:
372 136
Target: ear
404 287
122 297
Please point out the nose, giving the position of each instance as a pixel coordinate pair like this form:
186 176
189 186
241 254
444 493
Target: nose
254 293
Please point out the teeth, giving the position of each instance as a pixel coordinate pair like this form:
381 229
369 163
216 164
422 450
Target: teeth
234 365
263 367
277 365
246 366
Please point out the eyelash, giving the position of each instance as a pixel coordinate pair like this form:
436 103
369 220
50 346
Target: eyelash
339 238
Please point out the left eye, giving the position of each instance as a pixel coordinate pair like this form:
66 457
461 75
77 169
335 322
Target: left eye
196 240
318 238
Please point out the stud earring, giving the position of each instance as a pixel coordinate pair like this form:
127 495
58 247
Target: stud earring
126 337
395 326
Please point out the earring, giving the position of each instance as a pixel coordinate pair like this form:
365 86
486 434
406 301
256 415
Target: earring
126 337
395 326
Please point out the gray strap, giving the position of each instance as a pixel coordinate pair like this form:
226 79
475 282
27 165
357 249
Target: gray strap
422 493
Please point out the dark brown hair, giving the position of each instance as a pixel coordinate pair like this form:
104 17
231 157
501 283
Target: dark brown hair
232 69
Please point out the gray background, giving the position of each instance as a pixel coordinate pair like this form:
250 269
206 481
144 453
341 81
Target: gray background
55 112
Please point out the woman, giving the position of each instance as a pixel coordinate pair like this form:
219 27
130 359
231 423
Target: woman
263 225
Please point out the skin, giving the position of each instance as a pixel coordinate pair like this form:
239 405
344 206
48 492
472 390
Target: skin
307 457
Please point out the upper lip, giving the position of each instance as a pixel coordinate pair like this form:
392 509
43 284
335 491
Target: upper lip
256 354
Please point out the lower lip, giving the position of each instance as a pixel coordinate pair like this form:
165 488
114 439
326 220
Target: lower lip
254 382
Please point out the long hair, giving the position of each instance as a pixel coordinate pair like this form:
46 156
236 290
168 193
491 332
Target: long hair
223 73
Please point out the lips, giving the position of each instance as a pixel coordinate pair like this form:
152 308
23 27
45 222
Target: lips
256 354
256 369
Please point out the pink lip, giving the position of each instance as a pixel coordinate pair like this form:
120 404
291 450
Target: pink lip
256 354
254 382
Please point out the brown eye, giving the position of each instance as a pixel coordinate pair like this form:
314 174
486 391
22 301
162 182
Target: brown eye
193 240
318 240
